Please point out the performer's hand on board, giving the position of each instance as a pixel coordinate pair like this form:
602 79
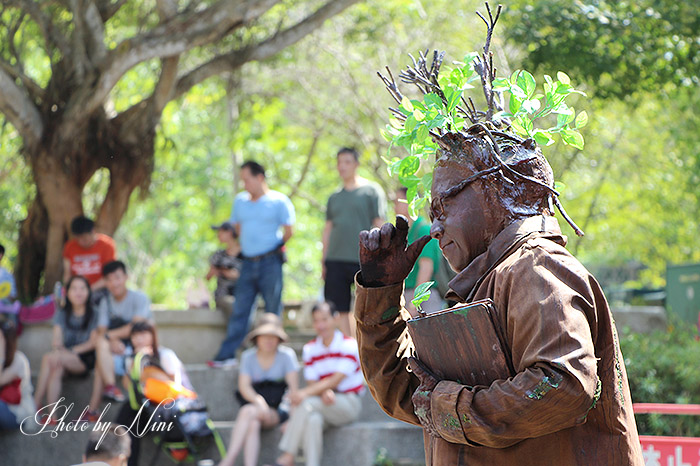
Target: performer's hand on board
385 256
421 397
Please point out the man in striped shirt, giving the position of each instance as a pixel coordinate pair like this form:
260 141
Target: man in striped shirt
332 393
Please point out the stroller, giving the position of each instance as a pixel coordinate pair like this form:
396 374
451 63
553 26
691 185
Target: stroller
167 404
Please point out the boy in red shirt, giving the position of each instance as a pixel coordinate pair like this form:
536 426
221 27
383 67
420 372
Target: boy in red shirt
86 253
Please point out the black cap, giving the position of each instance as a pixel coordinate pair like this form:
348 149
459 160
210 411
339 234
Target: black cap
224 226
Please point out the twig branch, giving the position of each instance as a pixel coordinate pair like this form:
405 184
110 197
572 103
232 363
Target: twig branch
20 110
262 50
483 65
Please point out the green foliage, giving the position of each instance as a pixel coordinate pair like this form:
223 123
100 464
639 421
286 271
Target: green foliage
417 123
421 294
525 106
662 368
620 47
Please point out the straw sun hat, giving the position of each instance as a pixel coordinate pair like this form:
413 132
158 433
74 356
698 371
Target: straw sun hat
269 324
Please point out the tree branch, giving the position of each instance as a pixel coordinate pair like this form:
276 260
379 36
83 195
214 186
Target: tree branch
35 91
162 94
172 38
81 63
52 37
307 164
95 37
20 110
262 50
108 8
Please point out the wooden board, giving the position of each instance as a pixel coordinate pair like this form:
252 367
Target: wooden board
463 344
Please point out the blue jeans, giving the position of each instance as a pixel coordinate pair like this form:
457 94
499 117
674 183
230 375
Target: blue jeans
7 419
262 276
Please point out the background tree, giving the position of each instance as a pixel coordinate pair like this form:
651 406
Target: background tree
61 64
620 47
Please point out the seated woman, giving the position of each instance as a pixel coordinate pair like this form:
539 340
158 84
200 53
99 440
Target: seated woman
266 371
144 340
73 342
16 402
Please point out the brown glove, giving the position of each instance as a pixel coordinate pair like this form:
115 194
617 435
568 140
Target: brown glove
421 397
385 257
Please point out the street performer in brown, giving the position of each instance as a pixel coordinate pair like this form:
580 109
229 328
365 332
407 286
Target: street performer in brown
568 402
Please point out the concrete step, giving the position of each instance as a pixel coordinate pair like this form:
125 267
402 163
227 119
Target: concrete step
215 386
357 444
195 335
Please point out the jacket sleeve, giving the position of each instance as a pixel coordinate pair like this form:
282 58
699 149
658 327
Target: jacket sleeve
548 308
385 347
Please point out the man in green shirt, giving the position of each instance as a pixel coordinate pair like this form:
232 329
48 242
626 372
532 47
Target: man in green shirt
358 205
426 267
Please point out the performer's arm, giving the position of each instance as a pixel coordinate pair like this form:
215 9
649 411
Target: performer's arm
384 346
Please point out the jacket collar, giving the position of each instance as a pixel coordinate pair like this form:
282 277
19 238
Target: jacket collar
505 243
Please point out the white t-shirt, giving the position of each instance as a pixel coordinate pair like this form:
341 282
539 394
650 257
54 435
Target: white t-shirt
321 361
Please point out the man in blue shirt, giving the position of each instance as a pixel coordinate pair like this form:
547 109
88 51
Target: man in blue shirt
263 219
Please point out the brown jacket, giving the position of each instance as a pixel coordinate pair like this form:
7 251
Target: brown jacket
569 402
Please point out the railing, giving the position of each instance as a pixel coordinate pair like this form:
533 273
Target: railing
669 451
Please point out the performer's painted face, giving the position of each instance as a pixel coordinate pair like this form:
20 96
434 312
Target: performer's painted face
462 223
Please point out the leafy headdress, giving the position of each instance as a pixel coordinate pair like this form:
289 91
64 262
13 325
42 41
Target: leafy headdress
498 146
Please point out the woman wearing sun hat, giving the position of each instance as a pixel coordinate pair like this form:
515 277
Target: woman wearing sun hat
267 371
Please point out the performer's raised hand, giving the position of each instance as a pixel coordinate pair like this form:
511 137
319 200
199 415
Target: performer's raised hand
385 256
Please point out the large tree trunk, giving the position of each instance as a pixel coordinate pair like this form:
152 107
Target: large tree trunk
62 166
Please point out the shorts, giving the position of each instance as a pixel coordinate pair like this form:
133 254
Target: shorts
340 276
88 358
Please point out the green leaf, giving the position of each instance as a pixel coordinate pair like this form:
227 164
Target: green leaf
518 92
410 181
406 104
514 104
563 88
526 82
500 84
418 115
410 123
422 132
417 105
409 166
395 123
543 138
469 58
394 166
386 134
437 122
404 140
572 138
452 95
563 77
427 181
421 294
581 119
432 99
523 126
